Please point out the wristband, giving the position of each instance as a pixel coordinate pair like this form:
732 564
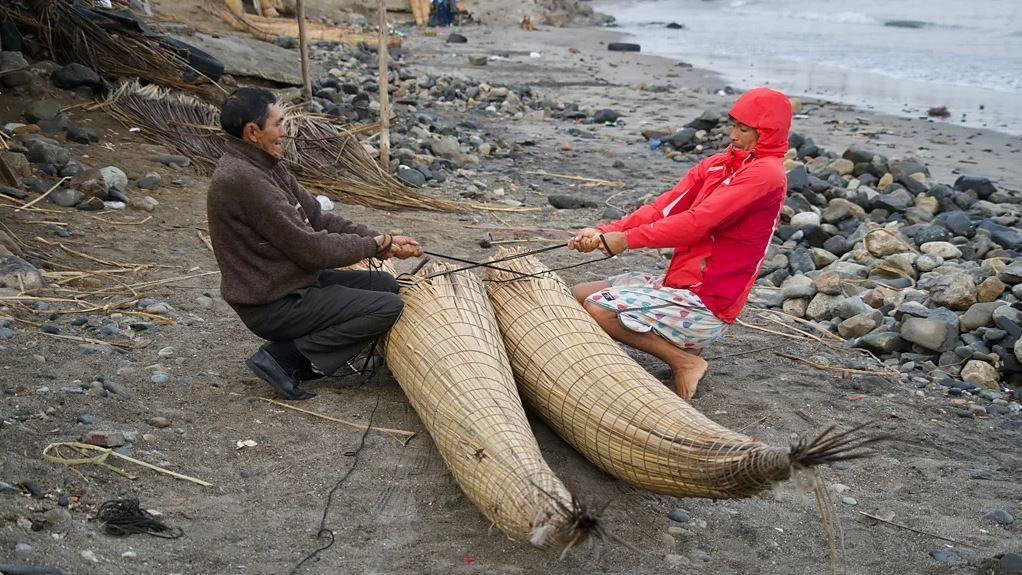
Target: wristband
606 246
386 247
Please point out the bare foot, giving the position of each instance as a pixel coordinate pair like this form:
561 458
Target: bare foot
687 377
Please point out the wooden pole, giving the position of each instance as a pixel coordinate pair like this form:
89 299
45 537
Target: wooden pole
384 84
303 48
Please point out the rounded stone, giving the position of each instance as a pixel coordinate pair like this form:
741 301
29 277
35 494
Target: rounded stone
990 289
946 250
699 555
928 262
998 516
881 243
678 516
805 219
981 373
115 178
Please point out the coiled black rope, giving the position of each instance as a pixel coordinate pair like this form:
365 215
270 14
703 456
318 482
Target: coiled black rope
123 517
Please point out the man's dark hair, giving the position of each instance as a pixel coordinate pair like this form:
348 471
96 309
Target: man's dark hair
246 105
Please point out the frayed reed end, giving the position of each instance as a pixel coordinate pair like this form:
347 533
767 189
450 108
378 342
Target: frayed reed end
831 446
569 526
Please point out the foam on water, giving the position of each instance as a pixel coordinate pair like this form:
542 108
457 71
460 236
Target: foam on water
966 55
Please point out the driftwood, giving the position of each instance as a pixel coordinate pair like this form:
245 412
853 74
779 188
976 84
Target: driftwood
269 29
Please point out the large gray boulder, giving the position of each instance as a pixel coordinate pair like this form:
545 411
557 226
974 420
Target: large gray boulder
937 332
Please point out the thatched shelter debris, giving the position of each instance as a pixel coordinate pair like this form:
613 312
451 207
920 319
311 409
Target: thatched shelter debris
326 159
115 43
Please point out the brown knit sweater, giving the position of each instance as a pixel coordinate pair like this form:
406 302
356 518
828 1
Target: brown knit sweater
269 235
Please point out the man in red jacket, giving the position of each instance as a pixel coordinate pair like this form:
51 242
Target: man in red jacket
719 220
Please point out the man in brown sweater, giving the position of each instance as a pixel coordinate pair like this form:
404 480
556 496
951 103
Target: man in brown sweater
277 249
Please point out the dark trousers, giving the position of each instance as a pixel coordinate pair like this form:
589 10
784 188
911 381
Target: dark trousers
332 321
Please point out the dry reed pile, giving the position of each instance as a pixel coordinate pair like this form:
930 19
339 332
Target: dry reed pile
326 159
619 416
70 35
448 357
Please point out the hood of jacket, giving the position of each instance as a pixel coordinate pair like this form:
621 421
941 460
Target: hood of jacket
769 113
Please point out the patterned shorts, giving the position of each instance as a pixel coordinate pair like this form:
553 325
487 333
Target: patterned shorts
643 304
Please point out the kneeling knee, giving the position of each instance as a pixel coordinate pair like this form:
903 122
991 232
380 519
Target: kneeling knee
580 293
389 282
392 306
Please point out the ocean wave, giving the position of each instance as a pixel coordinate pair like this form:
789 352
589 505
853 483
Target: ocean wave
844 17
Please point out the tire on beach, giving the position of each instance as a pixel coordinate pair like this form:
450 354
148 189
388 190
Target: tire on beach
623 47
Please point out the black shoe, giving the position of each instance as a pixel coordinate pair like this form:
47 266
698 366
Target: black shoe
306 373
266 367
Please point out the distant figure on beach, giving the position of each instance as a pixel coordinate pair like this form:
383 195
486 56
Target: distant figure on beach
718 220
277 249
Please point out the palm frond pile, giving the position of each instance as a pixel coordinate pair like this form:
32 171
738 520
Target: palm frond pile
72 33
326 159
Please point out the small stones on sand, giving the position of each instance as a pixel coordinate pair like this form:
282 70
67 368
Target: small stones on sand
105 438
150 181
699 555
678 516
145 203
998 516
159 308
946 556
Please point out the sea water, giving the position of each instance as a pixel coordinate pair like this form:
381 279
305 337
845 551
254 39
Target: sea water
892 56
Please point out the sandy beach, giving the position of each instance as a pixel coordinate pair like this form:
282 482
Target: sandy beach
400 511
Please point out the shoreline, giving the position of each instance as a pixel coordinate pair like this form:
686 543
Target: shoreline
653 91
971 106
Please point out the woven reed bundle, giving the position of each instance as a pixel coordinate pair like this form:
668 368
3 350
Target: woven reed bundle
619 416
448 357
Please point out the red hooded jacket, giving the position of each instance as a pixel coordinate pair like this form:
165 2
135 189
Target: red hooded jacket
720 217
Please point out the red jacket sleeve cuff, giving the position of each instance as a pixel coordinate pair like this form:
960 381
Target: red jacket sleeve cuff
634 239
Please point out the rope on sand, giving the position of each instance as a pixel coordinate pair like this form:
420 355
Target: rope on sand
52 453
